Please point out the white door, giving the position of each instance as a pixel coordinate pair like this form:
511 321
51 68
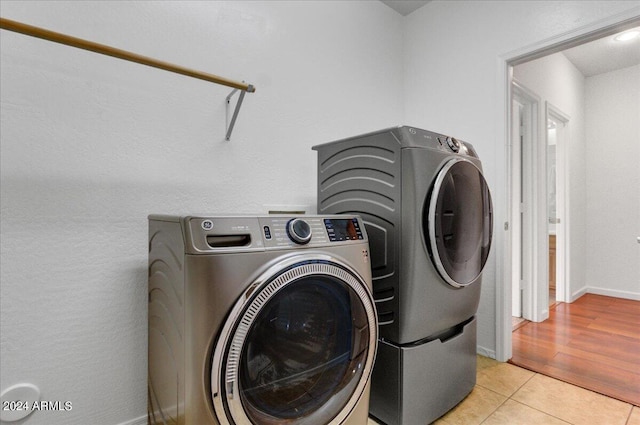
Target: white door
557 139
524 124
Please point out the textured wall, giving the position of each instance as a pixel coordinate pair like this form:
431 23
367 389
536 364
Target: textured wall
613 182
453 54
90 145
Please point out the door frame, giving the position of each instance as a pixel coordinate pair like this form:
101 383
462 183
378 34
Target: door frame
523 181
563 294
583 34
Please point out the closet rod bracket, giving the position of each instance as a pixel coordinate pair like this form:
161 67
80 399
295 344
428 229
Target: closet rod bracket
237 108
56 37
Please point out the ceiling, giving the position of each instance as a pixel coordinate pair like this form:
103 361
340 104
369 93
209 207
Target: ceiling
404 7
604 55
593 58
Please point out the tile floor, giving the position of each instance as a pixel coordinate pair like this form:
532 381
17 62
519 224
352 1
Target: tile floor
509 395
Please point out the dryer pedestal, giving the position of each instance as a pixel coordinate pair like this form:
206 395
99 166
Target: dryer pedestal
417 384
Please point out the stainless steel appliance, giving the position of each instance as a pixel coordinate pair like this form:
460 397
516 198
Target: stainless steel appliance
259 320
428 214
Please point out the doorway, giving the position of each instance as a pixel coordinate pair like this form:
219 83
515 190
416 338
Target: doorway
510 293
538 205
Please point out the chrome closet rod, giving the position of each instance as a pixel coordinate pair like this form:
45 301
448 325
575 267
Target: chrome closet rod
80 43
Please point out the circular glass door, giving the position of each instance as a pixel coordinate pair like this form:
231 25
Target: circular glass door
302 349
459 222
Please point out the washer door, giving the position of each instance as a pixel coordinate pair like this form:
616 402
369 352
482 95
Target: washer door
459 222
299 349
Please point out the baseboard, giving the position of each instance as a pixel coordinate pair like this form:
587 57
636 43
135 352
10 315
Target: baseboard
628 295
544 315
578 294
486 352
142 420
613 293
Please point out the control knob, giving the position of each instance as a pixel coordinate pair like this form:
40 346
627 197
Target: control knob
299 231
453 144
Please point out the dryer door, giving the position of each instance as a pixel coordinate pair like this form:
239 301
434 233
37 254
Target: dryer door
298 347
459 222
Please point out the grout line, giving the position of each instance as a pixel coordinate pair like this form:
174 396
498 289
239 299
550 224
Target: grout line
519 402
629 415
542 411
495 410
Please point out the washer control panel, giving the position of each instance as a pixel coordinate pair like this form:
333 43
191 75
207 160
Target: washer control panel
310 230
343 229
227 233
299 231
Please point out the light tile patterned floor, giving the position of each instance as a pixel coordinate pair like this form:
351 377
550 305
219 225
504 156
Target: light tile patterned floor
508 395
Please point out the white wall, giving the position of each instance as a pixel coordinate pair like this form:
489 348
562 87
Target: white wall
557 81
604 180
612 112
455 84
90 145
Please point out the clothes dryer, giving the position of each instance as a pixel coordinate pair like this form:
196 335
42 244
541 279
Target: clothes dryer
259 320
428 214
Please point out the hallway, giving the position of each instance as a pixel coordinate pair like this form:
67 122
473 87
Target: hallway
593 342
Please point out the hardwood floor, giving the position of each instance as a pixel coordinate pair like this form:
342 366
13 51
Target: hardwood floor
593 343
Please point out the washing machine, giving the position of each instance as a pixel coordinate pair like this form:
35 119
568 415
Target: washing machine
428 213
259 320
